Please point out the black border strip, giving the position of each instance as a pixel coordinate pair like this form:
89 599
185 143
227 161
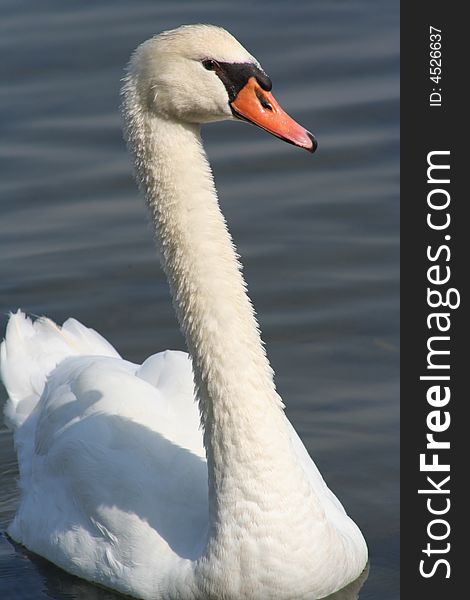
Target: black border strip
424 129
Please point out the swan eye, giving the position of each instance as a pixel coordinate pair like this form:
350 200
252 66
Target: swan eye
209 64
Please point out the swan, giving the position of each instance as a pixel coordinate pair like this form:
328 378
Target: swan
180 478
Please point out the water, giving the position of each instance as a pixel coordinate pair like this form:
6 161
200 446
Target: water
318 235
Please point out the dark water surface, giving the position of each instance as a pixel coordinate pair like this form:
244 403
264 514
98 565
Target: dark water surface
318 235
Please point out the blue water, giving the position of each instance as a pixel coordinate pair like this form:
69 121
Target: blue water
318 235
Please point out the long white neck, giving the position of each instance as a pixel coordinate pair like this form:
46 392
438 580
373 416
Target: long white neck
252 470
230 365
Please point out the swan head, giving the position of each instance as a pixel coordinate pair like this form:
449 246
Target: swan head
201 73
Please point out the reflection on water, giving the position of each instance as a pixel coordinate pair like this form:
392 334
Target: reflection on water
351 591
318 235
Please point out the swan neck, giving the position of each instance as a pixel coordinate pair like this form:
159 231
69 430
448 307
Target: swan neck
256 465
216 316
245 433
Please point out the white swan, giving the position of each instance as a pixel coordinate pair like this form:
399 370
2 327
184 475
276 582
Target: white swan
118 484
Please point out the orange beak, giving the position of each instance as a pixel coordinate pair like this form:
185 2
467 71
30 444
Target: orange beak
258 106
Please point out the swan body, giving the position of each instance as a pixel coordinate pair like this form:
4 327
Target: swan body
119 482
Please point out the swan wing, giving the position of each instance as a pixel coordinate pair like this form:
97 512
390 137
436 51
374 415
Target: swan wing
30 352
112 470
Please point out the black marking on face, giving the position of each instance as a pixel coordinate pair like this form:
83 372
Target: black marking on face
235 76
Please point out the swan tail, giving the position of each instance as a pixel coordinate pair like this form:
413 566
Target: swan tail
32 350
